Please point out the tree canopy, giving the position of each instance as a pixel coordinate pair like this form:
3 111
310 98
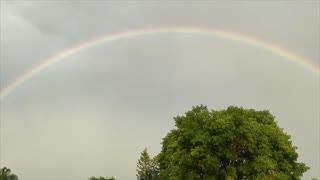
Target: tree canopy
147 167
102 178
232 144
235 143
5 174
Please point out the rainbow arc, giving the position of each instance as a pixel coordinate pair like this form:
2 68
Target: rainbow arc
154 31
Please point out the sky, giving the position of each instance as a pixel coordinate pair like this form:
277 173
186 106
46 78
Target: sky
94 112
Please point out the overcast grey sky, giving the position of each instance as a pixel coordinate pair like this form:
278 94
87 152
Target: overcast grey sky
92 114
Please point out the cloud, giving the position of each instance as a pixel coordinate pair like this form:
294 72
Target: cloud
93 113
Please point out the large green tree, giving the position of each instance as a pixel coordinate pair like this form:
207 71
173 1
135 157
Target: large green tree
147 167
235 143
5 174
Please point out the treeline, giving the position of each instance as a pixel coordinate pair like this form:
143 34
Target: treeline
231 144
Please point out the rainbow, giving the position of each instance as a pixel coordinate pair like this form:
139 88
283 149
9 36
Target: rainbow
152 31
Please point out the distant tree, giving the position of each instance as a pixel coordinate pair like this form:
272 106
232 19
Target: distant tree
102 178
155 168
147 168
235 143
5 174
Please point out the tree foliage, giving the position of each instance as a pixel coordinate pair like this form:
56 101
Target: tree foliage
147 168
235 143
5 174
102 178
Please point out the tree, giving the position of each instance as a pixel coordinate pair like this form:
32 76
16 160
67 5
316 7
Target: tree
102 178
235 143
155 168
5 174
147 168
